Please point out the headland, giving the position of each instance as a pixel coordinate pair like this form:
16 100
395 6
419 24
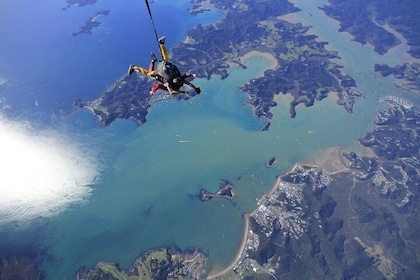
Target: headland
163 263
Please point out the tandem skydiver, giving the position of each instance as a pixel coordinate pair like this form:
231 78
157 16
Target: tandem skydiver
167 74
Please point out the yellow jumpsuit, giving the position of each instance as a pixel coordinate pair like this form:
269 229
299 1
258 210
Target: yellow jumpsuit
151 72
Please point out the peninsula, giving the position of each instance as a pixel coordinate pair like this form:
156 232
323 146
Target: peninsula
163 263
358 220
305 69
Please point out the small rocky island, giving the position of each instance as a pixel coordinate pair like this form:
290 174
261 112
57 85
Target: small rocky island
91 23
225 191
270 162
79 3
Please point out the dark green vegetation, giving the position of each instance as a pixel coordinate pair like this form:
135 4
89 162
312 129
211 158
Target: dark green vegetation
128 98
91 23
322 252
225 191
158 264
22 260
305 68
364 225
365 20
408 73
20 268
369 22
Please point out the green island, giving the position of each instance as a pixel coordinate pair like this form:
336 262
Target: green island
91 23
163 263
305 69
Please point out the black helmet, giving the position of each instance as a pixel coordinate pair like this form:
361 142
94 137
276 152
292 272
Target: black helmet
170 71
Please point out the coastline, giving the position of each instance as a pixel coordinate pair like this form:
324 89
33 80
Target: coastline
92 111
296 18
332 161
329 160
214 275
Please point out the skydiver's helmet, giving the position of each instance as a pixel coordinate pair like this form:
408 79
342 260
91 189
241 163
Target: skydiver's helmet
169 72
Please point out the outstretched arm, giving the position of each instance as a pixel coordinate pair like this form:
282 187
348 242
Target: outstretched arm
197 89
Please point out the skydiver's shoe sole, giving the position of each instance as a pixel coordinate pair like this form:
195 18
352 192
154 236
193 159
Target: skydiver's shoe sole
130 69
153 56
162 40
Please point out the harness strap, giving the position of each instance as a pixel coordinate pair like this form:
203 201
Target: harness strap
151 19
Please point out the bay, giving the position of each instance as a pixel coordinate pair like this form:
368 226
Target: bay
144 196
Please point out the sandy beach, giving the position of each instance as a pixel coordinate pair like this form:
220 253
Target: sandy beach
216 274
265 55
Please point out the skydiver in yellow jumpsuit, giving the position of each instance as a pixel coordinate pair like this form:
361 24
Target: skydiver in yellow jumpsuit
167 74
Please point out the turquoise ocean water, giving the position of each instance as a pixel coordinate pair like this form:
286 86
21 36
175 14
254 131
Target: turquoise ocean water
142 183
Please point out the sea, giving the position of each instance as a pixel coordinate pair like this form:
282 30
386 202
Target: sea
74 193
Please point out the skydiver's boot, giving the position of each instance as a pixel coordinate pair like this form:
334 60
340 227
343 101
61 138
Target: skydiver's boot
152 62
162 40
153 56
130 70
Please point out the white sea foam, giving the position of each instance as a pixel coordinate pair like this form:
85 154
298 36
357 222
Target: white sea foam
42 173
